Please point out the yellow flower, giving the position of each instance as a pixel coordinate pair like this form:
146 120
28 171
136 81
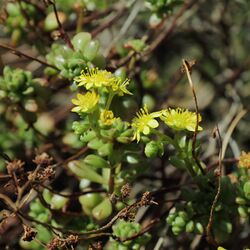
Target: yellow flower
180 119
120 87
107 117
244 160
144 122
85 103
94 78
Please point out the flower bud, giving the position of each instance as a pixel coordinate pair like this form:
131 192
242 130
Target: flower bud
189 227
153 149
176 230
179 222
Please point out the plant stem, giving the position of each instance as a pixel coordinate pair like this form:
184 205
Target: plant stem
112 180
110 98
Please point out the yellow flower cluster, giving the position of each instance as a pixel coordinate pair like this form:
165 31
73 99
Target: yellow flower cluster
178 119
95 78
244 160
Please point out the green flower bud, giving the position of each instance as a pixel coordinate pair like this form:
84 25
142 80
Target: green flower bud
153 149
179 222
96 161
107 134
176 230
81 40
80 128
189 227
103 210
170 219
183 215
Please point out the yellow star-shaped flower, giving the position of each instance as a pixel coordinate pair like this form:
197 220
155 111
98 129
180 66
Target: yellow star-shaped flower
94 78
180 119
85 103
144 122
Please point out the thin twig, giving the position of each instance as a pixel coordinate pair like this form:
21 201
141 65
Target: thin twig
188 73
63 33
109 23
21 54
210 238
76 194
73 157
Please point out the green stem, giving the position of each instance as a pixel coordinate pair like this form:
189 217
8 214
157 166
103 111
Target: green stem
110 98
111 180
164 138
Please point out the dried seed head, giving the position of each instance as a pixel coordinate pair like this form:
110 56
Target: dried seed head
125 190
29 233
43 160
16 167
